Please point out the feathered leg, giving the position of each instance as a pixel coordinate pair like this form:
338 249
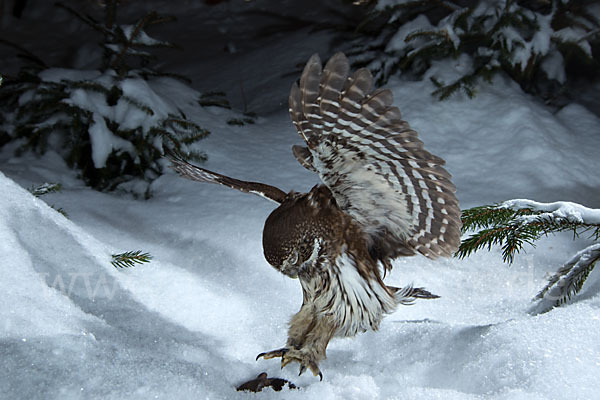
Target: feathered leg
308 337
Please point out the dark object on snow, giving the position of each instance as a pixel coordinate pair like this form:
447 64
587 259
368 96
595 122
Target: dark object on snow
262 381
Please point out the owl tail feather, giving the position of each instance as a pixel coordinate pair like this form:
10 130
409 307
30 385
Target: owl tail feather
408 294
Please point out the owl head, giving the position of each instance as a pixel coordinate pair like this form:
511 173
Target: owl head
293 230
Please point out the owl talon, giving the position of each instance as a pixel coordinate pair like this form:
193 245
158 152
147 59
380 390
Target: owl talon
302 369
294 355
313 368
273 354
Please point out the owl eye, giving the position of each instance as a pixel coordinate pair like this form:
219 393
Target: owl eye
294 257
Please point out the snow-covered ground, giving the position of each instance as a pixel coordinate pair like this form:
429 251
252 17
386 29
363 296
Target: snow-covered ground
190 324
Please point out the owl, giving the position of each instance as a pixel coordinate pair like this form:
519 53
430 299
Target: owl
382 196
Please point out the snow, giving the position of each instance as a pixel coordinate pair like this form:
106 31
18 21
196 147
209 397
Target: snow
553 66
398 41
142 105
190 323
577 36
572 212
140 37
506 144
103 141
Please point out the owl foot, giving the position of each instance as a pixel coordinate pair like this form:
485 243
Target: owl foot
291 355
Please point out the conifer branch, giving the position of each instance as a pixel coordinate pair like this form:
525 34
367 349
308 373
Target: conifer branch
111 13
569 279
520 38
130 258
514 223
74 111
45 188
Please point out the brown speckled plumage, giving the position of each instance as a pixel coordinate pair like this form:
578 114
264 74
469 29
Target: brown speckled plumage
383 196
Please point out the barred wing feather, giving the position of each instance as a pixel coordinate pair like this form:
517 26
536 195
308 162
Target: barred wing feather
373 162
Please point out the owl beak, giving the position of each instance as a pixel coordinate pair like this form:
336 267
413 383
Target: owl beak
289 270
290 274
289 267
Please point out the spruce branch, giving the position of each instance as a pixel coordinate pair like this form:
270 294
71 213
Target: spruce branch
129 39
111 13
141 106
465 83
568 280
130 258
45 188
514 223
159 74
512 37
240 121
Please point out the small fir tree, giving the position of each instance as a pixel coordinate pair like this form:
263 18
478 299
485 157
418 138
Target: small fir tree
542 45
111 123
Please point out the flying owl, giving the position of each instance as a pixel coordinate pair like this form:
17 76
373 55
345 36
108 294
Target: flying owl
383 196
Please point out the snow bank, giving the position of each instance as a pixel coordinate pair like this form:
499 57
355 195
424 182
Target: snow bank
72 329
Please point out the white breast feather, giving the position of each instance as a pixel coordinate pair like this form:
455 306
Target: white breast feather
359 304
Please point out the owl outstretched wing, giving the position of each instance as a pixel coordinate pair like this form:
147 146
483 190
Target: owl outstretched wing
198 174
373 162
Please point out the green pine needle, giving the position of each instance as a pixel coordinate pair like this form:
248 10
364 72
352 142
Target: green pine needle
46 114
60 210
45 188
496 225
130 258
493 38
512 229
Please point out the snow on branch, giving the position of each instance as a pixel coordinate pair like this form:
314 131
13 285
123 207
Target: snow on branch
572 212
113 123
514 223
537 43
